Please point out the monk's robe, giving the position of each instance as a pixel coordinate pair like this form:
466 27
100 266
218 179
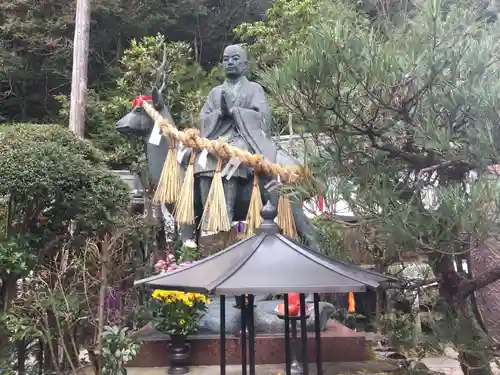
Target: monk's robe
247 128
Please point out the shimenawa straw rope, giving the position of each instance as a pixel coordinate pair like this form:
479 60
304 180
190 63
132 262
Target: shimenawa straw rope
214 218
191 138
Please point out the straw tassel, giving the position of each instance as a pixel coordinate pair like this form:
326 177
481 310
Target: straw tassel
253 216
285 217
167 190
184 209
215 210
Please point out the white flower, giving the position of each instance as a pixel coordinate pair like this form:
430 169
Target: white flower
190 243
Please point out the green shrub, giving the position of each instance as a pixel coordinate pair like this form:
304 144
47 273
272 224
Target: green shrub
51 178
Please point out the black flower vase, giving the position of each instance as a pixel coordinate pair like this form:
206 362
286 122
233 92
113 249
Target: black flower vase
179 350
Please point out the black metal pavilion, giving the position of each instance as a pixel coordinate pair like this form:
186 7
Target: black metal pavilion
267 263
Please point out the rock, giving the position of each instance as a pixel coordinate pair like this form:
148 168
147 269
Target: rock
267 322
210 322
379 346
265 319
450 352
418 366
85 370
374 337
397 355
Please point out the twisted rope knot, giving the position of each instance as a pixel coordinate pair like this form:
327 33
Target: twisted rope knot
191 138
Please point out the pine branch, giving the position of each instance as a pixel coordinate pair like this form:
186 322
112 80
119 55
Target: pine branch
413 284
485 279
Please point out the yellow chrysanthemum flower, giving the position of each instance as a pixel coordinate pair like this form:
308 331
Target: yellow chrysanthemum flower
174 296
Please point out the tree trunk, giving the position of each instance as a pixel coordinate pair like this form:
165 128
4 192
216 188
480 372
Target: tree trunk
51 354
21 357
39 356
7 294
460 324
483 258
471 341
80 68
102 296
379 297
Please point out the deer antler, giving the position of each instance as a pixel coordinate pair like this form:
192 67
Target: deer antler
161 70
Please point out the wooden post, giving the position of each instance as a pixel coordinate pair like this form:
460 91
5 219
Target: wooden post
80 67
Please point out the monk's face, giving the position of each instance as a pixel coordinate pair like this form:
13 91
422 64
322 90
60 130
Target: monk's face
234 61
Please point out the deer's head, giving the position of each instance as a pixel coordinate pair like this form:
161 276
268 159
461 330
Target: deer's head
137 122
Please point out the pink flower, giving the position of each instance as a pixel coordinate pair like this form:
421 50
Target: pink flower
170 257
170 264
161 266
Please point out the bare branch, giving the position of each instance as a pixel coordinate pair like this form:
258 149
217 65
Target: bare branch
409 284
163 68
161 71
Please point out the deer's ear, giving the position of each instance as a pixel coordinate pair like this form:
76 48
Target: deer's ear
158 102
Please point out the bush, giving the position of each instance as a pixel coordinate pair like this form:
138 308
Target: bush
60 206
52 176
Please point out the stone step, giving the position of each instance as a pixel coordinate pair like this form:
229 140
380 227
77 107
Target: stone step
361 367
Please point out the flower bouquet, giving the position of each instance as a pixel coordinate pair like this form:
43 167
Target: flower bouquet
177 313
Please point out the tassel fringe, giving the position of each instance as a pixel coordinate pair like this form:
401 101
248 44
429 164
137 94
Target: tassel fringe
214 218
167 190
285 218
253 216
184 209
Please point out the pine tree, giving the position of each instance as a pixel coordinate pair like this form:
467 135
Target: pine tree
410 108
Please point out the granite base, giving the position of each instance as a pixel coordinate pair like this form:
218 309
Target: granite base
338 344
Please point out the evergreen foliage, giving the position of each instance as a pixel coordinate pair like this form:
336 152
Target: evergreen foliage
411 113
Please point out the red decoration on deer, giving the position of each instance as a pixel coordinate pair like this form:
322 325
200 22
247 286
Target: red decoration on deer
139 100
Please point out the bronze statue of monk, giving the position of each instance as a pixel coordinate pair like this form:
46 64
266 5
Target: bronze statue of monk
238 113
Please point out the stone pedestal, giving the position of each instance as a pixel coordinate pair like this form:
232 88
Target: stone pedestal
338 344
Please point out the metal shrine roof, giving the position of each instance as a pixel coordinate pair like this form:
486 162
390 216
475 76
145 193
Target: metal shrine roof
267 262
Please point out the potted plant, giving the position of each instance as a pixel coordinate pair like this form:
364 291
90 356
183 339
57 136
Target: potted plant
177 314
